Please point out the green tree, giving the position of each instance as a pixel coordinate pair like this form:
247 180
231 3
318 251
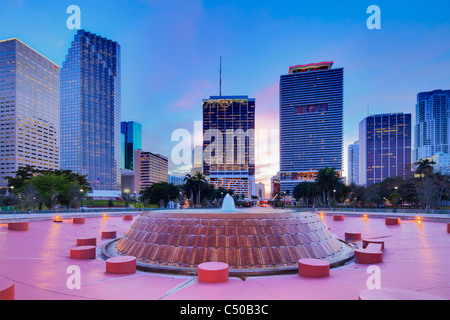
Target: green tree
29 196
425 167
160 193
48 188
327 180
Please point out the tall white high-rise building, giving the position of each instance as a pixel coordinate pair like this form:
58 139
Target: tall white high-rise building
29 108
432 128
353 164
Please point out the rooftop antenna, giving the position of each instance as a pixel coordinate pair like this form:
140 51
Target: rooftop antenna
368 104
220 75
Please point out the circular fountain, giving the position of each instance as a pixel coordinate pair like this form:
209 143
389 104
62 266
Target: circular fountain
251 241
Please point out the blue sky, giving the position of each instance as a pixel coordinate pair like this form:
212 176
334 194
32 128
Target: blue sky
171 50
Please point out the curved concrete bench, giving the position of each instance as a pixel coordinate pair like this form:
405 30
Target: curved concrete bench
18 226
128 217
338 218
353 236
109 234
121 265
7 289
367 256
83 253
313 268
392 221
213 272
395 294
366 242
78 220
82 242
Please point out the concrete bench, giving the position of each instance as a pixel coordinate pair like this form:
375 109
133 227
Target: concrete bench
78 220
18 226
213 272
109 234
368 256
352 236
366 242
83 253
392 221
386 294
374 247
7 289
82 242
121 265
313 268
338 218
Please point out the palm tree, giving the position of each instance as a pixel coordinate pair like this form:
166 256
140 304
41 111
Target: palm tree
199 182
327 181
425 167
189 186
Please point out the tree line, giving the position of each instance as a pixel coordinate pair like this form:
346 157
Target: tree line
196 190
423 188
30 187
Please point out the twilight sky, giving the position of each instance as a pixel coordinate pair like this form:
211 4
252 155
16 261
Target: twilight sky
171 50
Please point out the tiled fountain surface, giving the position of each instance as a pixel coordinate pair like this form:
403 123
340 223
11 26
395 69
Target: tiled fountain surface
251 244
416 258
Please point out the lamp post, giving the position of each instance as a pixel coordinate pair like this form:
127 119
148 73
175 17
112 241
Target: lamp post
396 192
334 198
81 200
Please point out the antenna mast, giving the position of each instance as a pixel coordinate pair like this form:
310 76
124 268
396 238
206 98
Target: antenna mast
220 75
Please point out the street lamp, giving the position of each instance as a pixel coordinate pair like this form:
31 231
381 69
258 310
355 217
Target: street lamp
81 199
11 195
396 191
334 198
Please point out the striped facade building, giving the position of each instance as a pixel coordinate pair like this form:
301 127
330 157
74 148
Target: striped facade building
311 123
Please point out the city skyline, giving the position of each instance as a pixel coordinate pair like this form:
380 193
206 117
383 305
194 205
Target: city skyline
163 84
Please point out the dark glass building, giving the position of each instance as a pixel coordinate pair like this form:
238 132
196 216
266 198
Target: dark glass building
90 110
311 123
233 166
384 147
132 134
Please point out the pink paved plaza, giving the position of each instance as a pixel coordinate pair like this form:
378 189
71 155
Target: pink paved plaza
416 258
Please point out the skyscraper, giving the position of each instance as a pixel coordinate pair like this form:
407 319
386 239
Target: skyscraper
90 110
149 169
353 163
311 123
384 147
229 143
432 128
132 132
29 108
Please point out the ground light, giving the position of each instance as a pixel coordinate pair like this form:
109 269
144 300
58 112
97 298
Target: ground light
57 219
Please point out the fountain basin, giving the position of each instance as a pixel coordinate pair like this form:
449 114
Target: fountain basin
250 243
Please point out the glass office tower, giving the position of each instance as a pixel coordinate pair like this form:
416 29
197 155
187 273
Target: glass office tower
132 132
90 110
311 123
29 109
229 148
384 147
432 129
